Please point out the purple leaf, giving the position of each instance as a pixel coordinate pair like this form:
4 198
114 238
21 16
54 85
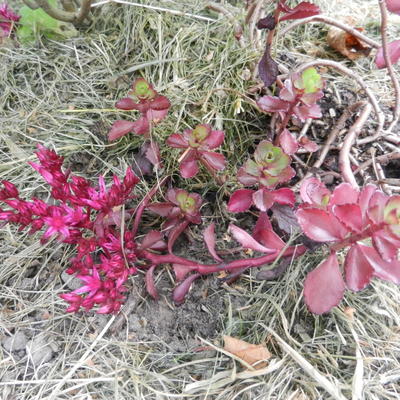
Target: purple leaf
302 10
209 239
120 128
324 286
247 241
150 285
175 233
266 23
394 54
286 218
358 271
241 200
141 126
268 68
183 288
152 152
162 209
178 141
274 273
152 238
320 225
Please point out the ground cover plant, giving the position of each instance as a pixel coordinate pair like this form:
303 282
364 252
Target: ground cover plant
110 229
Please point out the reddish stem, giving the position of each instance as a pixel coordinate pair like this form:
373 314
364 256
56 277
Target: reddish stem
205 269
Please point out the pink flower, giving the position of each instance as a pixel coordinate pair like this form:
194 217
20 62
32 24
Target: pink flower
7 19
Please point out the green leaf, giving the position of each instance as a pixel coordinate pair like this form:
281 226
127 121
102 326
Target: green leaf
34 22
312 81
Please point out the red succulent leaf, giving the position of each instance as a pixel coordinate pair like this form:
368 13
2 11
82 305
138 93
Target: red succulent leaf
272 104
349 215
320 225
152 238
357 269
156 115
175 232
160 103
386 245
209 239
284 196
178 141
127 103
183 288
344 194
189 169
263 199
150 285
263 223
214 139
247 241
394 54
324 286
248 178
393 6
162 209
181 271
152 153
141 126
305 111
376 207
308 144
270 239
302 10
241 200
364 199
214 160
268 68
288 142
288 93
313 191
266 23
388 271
120 128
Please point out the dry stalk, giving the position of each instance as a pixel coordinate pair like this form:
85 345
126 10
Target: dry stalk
344 155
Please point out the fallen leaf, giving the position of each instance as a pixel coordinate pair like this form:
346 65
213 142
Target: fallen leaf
347 44
255 355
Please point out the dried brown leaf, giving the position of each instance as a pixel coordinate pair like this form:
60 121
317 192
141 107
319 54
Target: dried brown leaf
255 355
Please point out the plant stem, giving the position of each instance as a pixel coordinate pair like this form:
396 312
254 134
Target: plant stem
205 269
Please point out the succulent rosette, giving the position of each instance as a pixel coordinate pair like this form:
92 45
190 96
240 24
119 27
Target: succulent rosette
348 219
270 167
152 107
198 143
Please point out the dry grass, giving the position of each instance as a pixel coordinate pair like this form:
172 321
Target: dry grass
58 94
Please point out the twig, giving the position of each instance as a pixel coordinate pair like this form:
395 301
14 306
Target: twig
238 29
346 71
83 11
330 21
344 159
380 174
389 65
384 158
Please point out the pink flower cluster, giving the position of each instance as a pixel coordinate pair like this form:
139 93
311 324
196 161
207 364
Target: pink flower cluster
89 217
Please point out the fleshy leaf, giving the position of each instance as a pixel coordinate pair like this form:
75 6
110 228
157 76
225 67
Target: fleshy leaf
344 194
349 215
241 200
263 199
313 191
151 239
150 285
386 245
120 128
324 286
393 6
266 23
268 68
394 54
357 269
215 160
181 271
189 169
320 225
209 239
127 103
183 288
247 241
302 10
288 142
272 104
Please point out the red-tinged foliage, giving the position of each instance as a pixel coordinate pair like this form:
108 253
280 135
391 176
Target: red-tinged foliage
152 107
268 67
288 142
7 20
324 286
247 241
197 144
302 10
209 240
346 218
183 288
394 54
393 6
150 285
